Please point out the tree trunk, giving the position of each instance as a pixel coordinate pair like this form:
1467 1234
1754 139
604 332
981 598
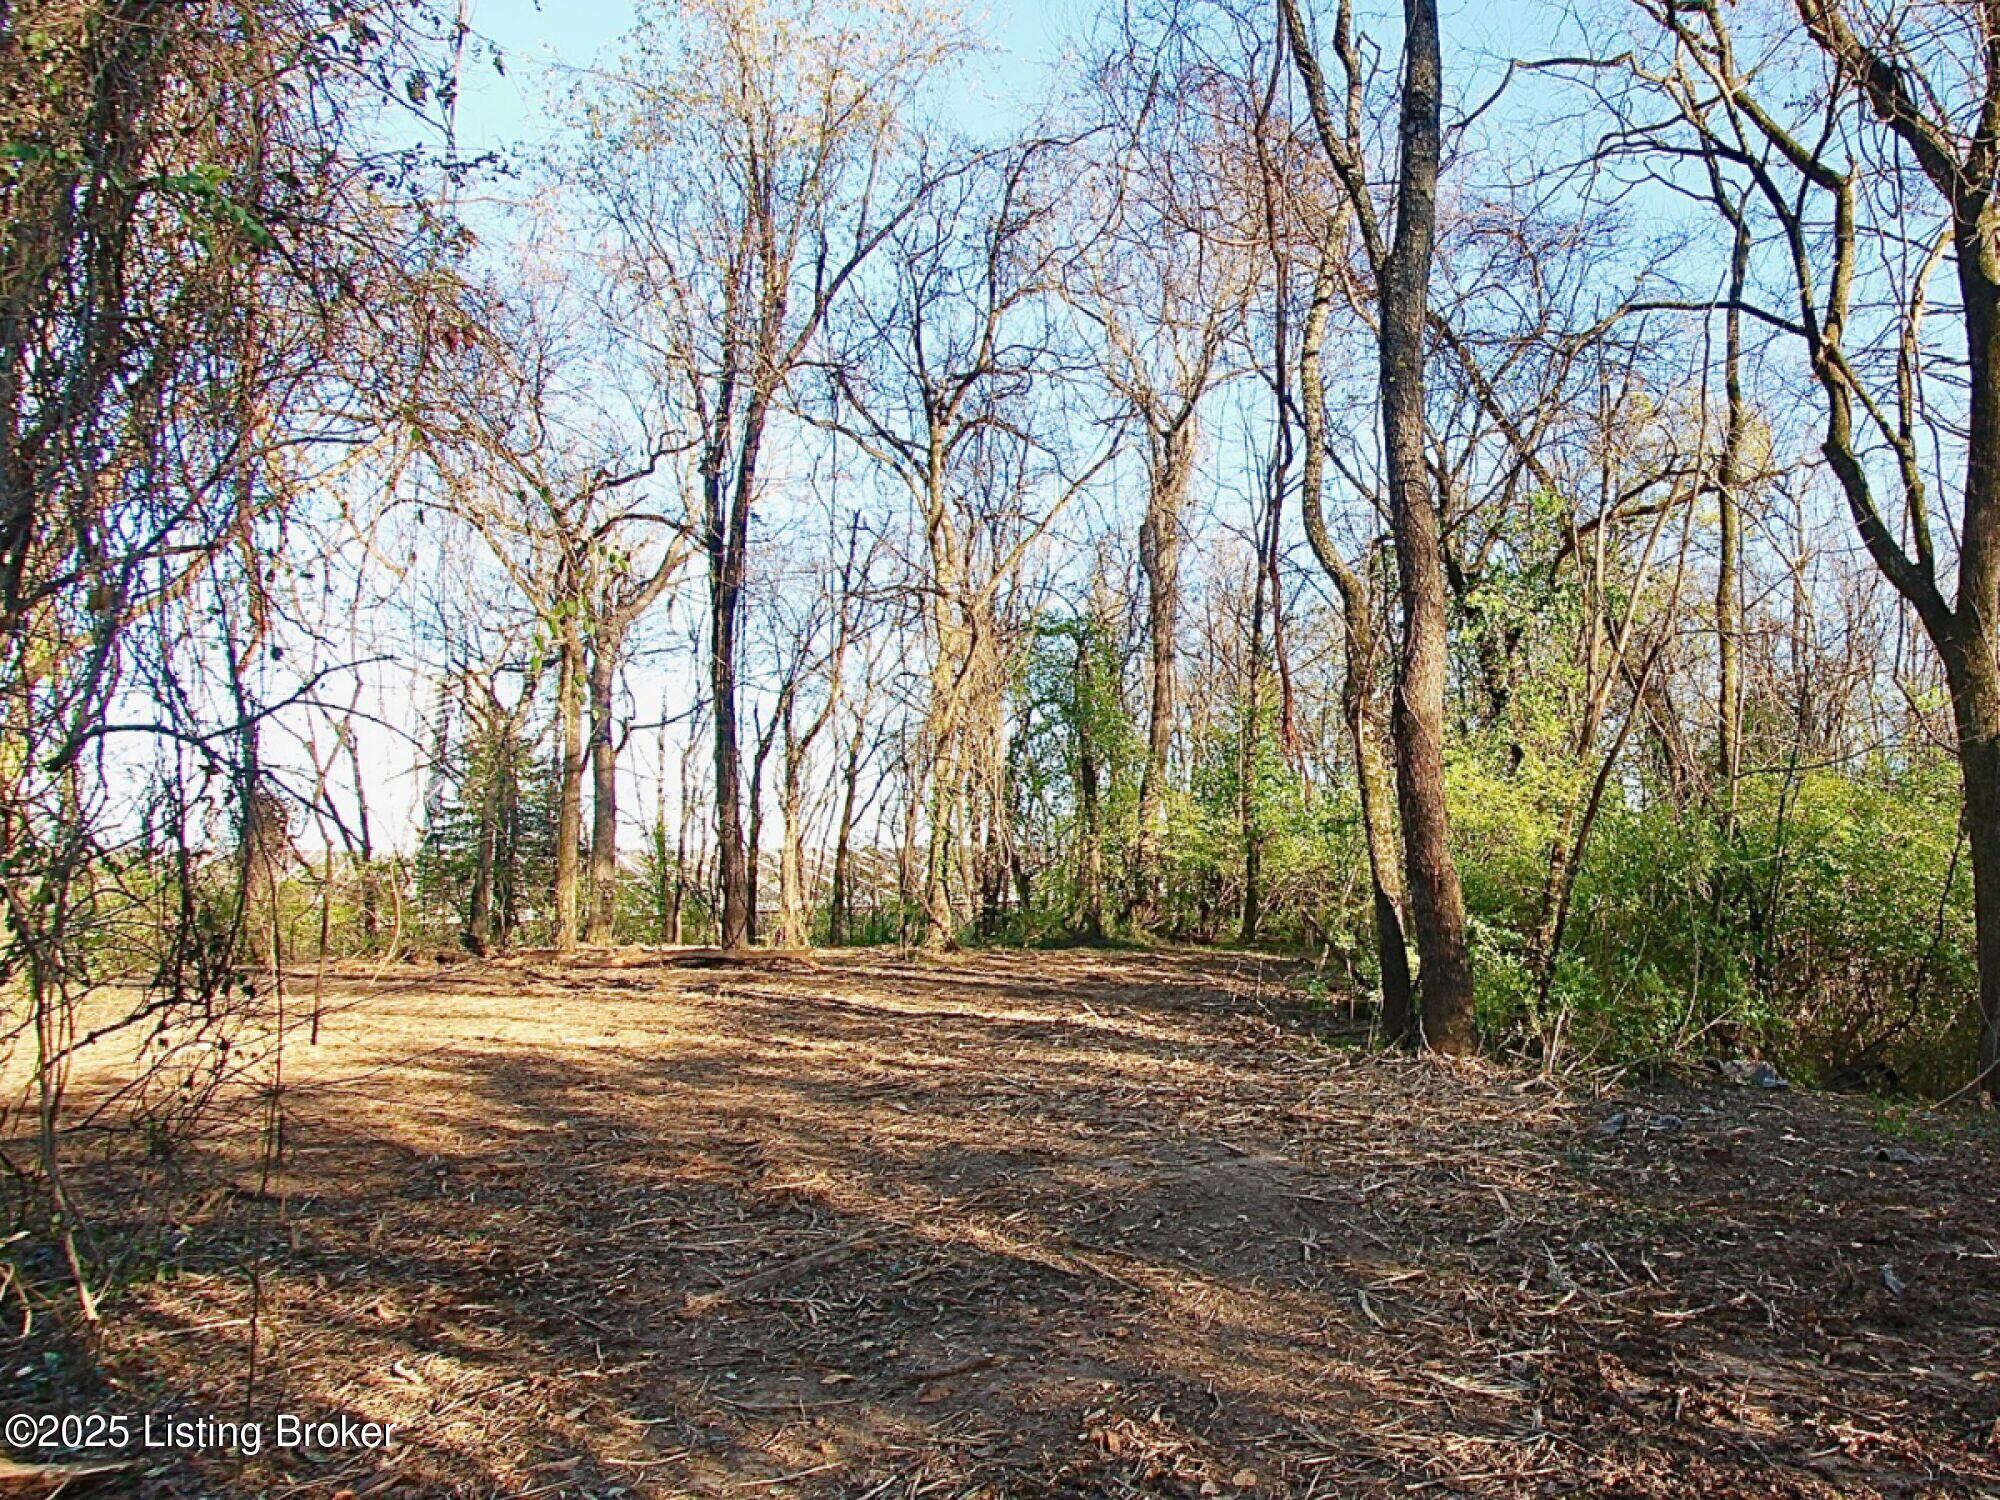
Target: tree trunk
1976 701
947 806
1248 822
1437 904
1090 820
1359 707
909 890
1729 691
1363 718
733 875
677 901
755 847
794 926
507 857
604 796
569 802
266 842
951 682
727 545
1253 875
993 872
479 920
1160 561
839 897
1728 688
992 806
371 892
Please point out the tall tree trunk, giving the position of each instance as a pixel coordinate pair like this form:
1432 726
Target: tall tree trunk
1729 691
507 860
733 874
909 888
840 896
794 921
942 864
1248 822
993 872
1090 817
1437 904
1360 709
1972 668
569 797
266 842
1975 688
945 865
993 803
371 891
676 914
1253 870
1363 717
727 545
479 920
604 795
755 847
1160 562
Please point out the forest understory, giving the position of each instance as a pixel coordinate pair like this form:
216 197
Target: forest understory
1076 1223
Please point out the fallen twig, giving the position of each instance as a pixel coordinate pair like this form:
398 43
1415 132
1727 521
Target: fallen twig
700 1302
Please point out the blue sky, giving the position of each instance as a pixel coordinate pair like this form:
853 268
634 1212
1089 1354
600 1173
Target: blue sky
543 39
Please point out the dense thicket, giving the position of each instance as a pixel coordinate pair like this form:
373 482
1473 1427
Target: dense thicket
199 260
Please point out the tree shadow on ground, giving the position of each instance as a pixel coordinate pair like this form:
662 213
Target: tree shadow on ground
1076 1224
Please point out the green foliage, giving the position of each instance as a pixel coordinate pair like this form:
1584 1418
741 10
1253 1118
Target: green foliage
1818 931
204 194
1910 1123
1078 756
1825 922
874 927
646 904
523 790
1312 851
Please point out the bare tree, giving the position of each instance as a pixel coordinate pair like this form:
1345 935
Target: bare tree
952 386
557 487
1166 280
744 159
826 634
1361 655
1909 99
1401 264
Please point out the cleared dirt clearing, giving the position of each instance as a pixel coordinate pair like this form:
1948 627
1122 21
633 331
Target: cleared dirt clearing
1053 1224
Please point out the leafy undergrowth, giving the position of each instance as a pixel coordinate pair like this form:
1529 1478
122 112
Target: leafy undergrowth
1030 1224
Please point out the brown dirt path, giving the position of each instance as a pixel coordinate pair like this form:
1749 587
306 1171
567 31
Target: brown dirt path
1071 1224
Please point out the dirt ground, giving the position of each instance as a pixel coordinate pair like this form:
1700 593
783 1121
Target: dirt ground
1076 1224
